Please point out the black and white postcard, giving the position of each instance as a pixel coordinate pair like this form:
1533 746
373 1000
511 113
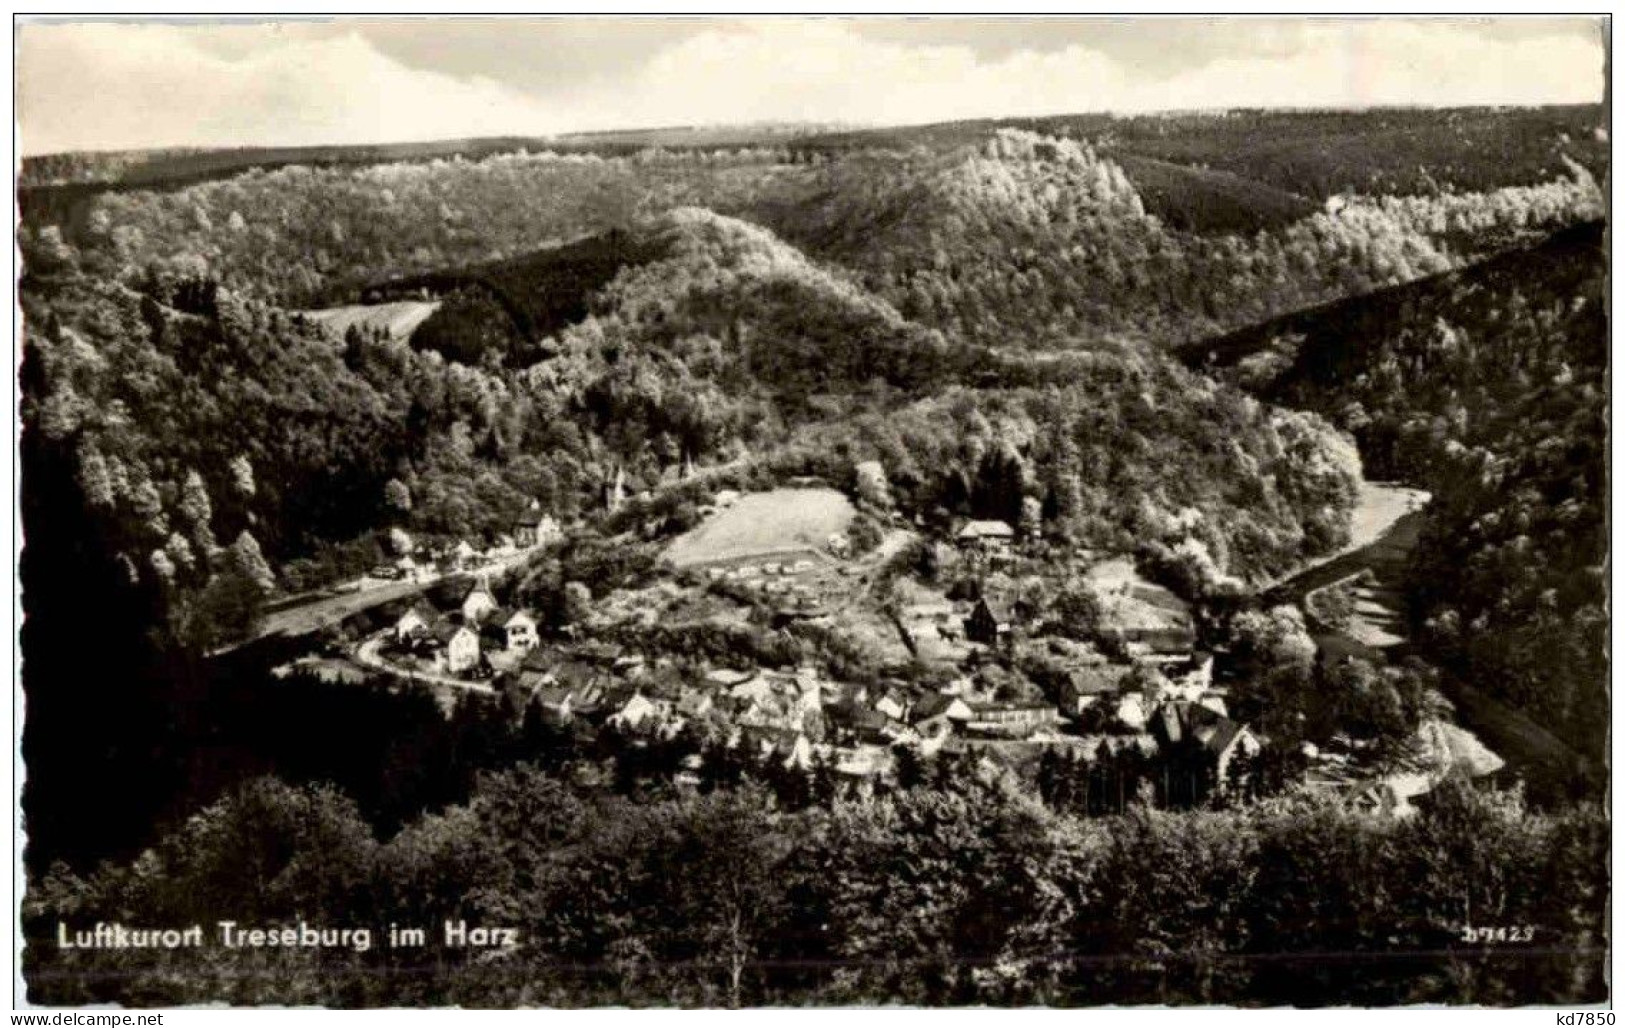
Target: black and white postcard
706 512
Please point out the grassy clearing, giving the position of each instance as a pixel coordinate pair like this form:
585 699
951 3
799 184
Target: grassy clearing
400 319
780 522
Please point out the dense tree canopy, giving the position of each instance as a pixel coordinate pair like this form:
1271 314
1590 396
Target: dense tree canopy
967 894
1487 386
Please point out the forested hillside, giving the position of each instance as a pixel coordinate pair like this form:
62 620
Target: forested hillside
498 313
305 236
1118 452
195 420
1171 344
1032 241
199 441
1488 387
198 426
954 894
1165 229
1312 154
218 452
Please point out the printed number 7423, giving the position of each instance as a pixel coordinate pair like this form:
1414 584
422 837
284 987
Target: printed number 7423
1499 933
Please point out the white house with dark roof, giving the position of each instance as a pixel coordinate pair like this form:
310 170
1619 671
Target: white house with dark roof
1223 738
511 630
533 528
990 622
1131 710
940 711
986 536
1190 678
641 712
477 602
417 618
457 647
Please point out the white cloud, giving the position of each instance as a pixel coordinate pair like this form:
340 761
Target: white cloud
1398 62
108 86
825 71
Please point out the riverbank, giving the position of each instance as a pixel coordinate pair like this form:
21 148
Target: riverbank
1387 526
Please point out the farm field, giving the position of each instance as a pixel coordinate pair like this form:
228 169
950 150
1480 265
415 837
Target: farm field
400 319
775 523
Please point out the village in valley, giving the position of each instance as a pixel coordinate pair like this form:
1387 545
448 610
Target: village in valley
836 512
815 634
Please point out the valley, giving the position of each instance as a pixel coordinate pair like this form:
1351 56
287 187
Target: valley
1052 560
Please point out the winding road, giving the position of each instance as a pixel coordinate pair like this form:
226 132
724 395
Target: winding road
352 598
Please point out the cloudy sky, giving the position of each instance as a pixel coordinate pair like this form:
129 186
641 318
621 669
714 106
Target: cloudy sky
125 85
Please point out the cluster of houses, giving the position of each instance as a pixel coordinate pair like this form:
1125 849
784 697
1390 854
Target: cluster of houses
1142 686
463 639
795 718
415 563
800 717
1163 698
1154 692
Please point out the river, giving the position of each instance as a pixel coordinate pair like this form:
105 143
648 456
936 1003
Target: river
1387 525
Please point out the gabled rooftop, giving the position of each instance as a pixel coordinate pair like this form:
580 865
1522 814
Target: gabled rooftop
986 530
